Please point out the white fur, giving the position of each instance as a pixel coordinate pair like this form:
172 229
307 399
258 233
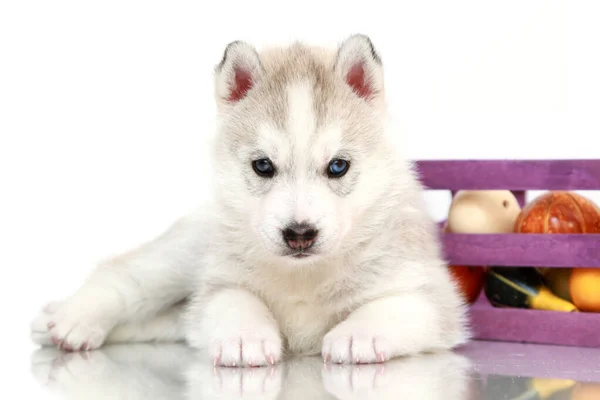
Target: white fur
301 118
376 286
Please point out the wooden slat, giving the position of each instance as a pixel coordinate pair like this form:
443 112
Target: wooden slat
536 326
510 174
526 250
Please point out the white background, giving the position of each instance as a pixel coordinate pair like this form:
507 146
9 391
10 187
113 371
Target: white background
106 109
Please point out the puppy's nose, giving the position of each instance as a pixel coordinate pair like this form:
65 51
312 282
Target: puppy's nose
300 236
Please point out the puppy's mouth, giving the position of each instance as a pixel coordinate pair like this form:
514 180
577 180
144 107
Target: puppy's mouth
300 255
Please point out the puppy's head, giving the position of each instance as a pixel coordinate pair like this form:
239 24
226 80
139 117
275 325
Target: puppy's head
299 153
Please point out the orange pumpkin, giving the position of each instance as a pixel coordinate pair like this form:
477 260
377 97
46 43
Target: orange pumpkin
559 212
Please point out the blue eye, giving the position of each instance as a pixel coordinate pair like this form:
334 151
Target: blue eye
263 167
337 168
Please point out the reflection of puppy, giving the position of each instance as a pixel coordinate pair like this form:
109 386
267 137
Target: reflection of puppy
173 372
222 383
115 372
442 376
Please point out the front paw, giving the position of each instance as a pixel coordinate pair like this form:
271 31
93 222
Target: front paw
71 326
359 342
255 348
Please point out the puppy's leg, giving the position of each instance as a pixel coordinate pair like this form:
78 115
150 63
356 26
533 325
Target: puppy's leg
389 327
127 289
166 326
236 328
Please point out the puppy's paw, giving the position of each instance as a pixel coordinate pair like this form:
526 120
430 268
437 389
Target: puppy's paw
71 326
353 342
236 328
385 329
40 334
254 348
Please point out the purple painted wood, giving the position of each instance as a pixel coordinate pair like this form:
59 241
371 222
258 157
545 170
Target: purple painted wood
536 326
520 249
520 196
510 174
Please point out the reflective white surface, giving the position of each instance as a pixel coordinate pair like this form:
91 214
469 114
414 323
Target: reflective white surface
480 371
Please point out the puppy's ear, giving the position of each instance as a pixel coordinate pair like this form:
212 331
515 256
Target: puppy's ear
237 73
359 65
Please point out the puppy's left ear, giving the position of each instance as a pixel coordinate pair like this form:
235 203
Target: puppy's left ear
359 65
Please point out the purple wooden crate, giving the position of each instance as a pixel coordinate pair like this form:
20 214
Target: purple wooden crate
521 250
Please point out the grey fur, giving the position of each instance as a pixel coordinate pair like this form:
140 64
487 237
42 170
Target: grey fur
359 36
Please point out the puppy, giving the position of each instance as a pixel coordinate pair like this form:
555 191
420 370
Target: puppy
316 239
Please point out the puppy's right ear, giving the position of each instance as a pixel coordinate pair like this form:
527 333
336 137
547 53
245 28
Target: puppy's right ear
237 73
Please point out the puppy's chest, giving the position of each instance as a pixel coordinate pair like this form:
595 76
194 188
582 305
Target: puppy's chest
303 323
303 317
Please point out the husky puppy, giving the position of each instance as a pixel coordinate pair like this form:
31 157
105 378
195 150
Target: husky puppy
316 241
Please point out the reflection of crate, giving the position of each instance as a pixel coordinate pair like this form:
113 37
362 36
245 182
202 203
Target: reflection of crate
514 249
